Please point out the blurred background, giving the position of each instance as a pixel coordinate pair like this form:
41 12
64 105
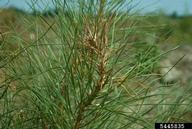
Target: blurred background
169 21
180 7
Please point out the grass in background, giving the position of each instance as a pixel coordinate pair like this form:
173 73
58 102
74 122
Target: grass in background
87 70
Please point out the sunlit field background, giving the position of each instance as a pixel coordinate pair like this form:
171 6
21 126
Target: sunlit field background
94 65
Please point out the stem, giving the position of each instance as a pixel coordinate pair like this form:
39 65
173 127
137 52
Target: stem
102 40
83 105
